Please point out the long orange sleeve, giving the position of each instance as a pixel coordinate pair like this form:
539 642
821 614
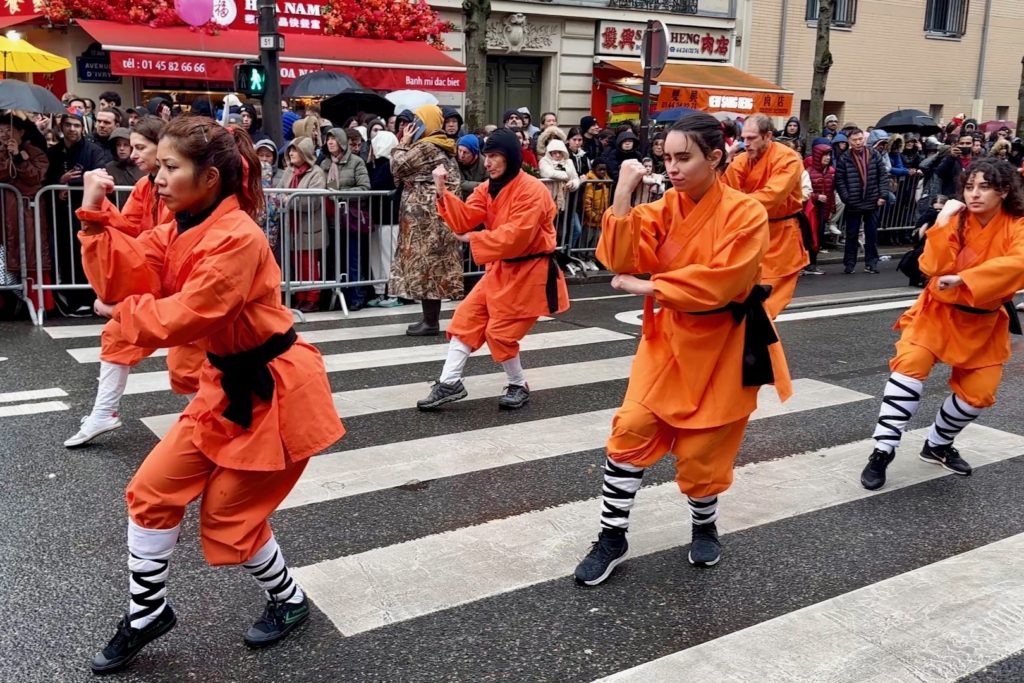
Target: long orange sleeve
940 250
1000 277
119 266
514 236
629 244
463 216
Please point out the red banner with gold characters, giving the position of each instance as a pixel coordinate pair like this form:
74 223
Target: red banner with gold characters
714 100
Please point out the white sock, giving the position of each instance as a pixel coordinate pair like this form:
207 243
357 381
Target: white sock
900 401
953 416
514 370
149 552
703 510
271 573
113 380
621 483
458 354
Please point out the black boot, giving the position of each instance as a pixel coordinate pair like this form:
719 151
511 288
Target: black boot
431 323
128 642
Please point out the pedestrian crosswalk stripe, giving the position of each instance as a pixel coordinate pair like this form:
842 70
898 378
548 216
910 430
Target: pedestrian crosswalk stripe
415 578
362 470
404 396
147 382
32 408
845 310
73 331
31 395
935 623
91 354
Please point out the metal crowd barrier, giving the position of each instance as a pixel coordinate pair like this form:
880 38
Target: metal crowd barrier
901 208
12 241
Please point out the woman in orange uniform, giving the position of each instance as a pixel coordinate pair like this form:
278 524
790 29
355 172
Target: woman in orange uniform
522 281
975 258
264 404
142 210
706 350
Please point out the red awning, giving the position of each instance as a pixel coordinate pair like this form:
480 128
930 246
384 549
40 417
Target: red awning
14 20
180 52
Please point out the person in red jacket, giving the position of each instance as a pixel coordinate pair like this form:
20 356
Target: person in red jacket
822 203
517 246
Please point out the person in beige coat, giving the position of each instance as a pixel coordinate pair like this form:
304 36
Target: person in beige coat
304 217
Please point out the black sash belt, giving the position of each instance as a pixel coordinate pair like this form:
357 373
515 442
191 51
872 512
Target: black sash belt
1015 327
551 286
246 373
757 337
786 218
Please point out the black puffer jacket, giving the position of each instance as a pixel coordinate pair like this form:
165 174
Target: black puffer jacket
615 157
858 197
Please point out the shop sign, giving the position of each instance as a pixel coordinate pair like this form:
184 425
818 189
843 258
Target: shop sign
173 66
292 17
94 66
624 39
715 100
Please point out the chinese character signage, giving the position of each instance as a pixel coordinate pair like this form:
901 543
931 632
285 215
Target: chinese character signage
715 100
623 39
292 17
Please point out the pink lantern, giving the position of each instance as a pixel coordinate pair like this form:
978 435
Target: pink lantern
194 12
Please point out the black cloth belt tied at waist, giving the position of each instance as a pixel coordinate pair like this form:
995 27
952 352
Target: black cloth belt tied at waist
551 286
786 218
1015 327
246 373
757 337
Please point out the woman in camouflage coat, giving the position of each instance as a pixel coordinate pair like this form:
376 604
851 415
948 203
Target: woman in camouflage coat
428 258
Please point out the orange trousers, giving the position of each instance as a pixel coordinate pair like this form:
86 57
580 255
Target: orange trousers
474 326
183 362
704 457
235 503
783 290
977 386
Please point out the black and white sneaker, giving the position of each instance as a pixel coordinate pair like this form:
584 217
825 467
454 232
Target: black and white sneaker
278 620
705 548
515 397
441 393
606 553
128 642
873 476
948 457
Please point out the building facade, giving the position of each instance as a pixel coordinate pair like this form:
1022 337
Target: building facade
944 57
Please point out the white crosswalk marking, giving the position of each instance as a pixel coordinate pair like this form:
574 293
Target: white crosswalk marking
31 395
395 583
32 408
911 627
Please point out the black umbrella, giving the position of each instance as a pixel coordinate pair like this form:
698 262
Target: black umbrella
15 94
350 102
908 121
321 84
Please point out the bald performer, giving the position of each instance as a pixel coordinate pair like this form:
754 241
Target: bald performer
770 172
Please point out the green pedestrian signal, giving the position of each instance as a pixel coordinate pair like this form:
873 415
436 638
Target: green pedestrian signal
251 79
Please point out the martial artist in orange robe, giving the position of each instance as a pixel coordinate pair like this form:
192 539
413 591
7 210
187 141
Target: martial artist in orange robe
141 211
691 390
264 402
522 281
770 172
963 319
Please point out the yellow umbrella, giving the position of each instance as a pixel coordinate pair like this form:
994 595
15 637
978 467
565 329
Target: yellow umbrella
20 56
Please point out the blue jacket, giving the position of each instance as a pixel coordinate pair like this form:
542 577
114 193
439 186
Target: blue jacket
899 168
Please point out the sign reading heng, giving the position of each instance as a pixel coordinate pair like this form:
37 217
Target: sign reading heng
620 38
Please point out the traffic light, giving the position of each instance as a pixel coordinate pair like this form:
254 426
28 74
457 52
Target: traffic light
250 79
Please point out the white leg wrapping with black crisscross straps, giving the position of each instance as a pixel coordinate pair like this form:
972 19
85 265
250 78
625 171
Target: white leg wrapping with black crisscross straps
953 416
899 404
149 553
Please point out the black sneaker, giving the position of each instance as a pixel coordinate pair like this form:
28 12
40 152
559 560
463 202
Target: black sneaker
873 476
515 397
705 548
278 620
128 642
872 270
422 329
606 553
847 271
441 393
812 270
948 457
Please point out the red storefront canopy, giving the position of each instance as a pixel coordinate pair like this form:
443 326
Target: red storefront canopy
16 19
179 52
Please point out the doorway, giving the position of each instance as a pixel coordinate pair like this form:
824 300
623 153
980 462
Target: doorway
513 82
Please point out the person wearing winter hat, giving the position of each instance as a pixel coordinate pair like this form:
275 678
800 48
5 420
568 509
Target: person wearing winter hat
307 229
122 169
452 122
251 123
831 125
471 164
591 144
517 245
531 130
512 119
159 107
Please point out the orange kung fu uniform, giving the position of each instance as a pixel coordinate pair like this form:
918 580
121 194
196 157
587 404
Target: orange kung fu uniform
522 281
965 327
686 391
216 285
774 181
141 212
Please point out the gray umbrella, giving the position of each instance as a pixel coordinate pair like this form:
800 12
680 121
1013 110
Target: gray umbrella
21 96
321 84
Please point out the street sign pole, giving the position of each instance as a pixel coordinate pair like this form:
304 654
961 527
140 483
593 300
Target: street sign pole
271 42
653 55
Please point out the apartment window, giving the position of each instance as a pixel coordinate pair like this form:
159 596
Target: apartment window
946 17
1002 113
935 111
844 12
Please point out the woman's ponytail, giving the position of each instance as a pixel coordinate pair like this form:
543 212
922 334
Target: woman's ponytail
250 194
